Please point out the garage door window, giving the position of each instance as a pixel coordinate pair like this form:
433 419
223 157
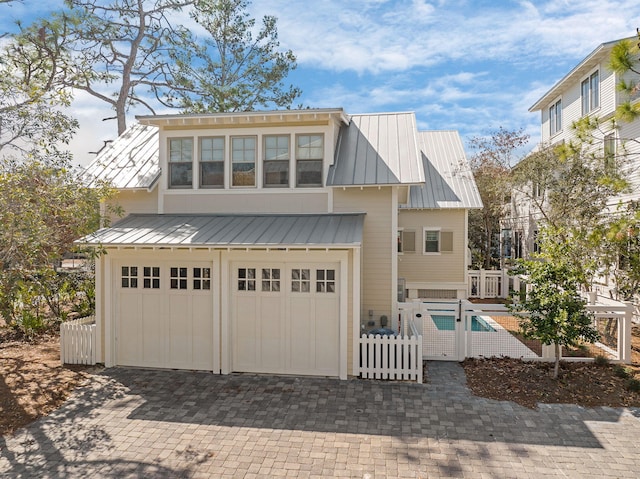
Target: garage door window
151 277
270 279
178 278
300 280
129 277
202 278
325 281
246 279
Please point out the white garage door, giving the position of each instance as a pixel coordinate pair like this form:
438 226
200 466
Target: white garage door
164 315
285 318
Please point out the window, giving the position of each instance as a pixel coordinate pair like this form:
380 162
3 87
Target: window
300 281
610 153
406 241
180 162
270 279
555 118
246 279
129 277
202 278
212 162
276 161
436 241
309 156
590 91
151 277
178 278
243 161
325 281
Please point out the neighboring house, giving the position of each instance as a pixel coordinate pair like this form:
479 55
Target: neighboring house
267 242
588 89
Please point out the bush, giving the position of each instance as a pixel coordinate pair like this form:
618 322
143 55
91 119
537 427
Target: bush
601 360
633 385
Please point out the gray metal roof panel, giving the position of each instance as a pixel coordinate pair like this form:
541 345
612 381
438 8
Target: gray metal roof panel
377 149
130 161
325 230
449 181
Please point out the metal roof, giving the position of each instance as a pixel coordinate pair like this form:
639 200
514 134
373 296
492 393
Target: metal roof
449 180
131 161
226 230
377 149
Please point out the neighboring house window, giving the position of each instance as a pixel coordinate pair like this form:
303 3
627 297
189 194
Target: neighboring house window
406 241
246 279
555 117
610 152
151 277
309 156
243 161
517 244
202 278
436 241
300 280
325 281
212 162
590 91
180 162
178 278
270 279
537 190
536 245
129 277
276 161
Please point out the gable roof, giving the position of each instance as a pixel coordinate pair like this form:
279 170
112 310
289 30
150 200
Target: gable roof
131 161
377 149
449 181
227 230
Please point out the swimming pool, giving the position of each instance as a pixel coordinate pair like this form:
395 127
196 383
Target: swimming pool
447 323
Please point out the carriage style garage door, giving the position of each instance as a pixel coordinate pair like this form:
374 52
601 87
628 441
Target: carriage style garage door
285 318
164 314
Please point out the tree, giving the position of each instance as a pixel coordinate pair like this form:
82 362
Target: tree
553 311
623 60
491 166
232 70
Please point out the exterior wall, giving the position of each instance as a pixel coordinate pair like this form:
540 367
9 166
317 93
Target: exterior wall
136 201
445 270
378 271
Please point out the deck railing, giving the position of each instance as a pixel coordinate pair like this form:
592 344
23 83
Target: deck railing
78 341
485 283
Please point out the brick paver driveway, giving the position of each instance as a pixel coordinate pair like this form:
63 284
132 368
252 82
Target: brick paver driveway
141 423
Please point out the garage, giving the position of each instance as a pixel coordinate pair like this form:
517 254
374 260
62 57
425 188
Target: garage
286 318
164 314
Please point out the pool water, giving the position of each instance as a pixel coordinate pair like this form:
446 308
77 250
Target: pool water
448 323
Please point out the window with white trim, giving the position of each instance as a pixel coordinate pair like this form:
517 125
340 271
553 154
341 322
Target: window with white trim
276 161
246 279
437 241
309 156
212 162
202 278
271 279
243 161
590 92
129 277
325 281
178 278
555 118
151 277
180 162
300 280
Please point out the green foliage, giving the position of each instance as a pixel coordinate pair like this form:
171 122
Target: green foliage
623 60
621 371
632 385
601 360
553 311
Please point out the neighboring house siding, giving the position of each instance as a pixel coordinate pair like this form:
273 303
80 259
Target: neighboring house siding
447 267
246 202
378 275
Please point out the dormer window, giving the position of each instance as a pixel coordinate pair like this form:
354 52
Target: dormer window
555 118
590 91
309 156
243 161
180 162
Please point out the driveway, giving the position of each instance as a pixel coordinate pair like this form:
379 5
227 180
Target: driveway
145 423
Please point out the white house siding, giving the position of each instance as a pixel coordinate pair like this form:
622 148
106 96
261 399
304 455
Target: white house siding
244 201
136 201
379 276
434 271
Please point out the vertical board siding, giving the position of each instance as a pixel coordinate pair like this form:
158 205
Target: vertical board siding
78 341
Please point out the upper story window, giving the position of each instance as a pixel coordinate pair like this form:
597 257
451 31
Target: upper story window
555 118
276 161
243 161
180 162
212 162
590 92
309 156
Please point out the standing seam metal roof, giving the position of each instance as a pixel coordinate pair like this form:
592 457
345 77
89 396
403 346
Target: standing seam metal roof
323 230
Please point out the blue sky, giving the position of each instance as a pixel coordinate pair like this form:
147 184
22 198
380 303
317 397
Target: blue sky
468 65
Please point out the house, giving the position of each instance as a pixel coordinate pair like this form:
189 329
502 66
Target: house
589 89
267 242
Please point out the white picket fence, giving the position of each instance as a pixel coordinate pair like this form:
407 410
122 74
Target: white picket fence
392 357
78 341
490 283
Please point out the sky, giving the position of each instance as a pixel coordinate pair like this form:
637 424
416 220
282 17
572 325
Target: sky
467 65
